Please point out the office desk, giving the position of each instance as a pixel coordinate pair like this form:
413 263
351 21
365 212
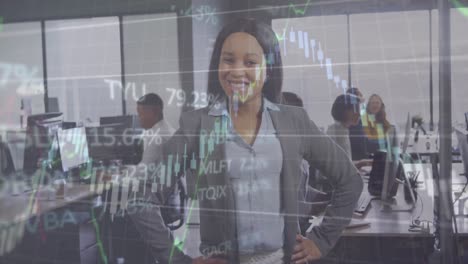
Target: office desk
33 227
16 208
388 239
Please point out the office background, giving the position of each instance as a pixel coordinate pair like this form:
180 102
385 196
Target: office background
96 58
83 55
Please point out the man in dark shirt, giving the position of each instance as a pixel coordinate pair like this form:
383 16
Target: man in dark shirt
356 133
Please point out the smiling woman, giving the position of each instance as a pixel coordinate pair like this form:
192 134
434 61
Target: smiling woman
259 222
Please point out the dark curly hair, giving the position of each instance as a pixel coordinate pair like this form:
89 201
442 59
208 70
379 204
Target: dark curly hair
344 103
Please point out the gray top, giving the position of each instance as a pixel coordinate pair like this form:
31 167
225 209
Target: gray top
254 174
299 139
340 134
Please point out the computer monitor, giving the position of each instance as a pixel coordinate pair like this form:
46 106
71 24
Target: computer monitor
125 121
382 176
394 174
68 125
466 120
462 137
102 141
53 104
113 142
38 118
40 133
392 160
73 147
17 142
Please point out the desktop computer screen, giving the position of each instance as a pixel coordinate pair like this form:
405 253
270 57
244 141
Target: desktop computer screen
466 120
40 133
112 142
73 147
129 122
462 136
125 121
53 104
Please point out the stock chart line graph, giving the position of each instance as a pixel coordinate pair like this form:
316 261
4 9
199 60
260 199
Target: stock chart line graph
311 46
297 10
459 6
313 51
125 184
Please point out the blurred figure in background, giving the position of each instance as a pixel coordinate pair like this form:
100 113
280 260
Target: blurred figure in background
345 112
375 125
357 138
157 130
292 99
150 224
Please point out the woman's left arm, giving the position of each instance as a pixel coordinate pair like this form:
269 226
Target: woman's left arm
321 151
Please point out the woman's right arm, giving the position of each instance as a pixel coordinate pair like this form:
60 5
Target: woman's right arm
332 161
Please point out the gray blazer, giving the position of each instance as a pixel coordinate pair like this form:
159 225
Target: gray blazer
300 139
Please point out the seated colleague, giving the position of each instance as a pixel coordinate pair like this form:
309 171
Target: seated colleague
376 126
357 138
145 210
247 144
150 112
345 112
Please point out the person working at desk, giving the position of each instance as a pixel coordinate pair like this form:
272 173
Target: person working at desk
376 126
345 112
150 113
256 146
151 116
357 138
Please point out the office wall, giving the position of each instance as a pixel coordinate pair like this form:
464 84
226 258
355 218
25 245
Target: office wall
459 46
390 57
307 44
205 30
459 39
81 55
21 72
151 61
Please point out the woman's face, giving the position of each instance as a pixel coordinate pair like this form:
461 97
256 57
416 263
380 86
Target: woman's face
375 104
242 68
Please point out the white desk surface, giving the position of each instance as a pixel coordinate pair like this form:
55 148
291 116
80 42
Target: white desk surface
396 223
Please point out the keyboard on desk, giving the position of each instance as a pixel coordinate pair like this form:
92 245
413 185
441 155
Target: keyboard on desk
363 203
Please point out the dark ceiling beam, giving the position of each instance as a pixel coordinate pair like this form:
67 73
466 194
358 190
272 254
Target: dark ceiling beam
33 10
